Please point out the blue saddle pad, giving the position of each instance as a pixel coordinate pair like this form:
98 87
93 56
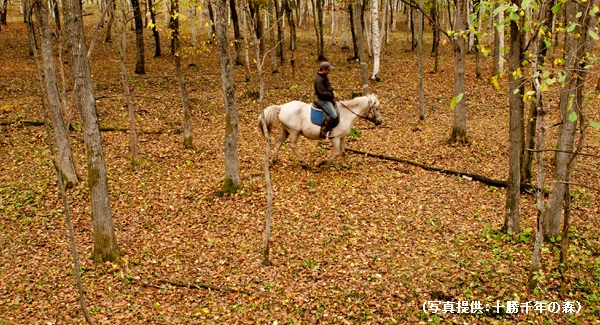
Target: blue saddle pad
317 116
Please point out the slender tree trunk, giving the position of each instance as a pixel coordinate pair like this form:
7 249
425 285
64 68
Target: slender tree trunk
65 157
499 43
185 103
292 24
140 65
318 23
232 174
27 19
528 155
420 64
155 33
361 46
376 39
280 29
63 194
571 101
436 36
541 174
247 30
273 39
258 25
105 241
211 16
459 127
3 12
56 13
515 147
111 19
236 32
122 47
353 31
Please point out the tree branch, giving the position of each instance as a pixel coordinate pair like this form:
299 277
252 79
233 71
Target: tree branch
202 286
479 178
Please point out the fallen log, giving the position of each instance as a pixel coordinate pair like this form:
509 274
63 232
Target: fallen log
528 188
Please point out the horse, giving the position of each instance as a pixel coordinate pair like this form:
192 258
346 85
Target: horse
295 121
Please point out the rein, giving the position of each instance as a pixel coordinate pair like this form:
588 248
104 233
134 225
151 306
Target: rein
361 116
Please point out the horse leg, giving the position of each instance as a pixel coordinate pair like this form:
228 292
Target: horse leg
343 152
293 145
335 143
282 137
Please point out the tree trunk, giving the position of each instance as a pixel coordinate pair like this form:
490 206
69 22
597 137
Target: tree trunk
3 12
122 47
420 63
571 101
499 43
27 14
258 25
541 171
65 157
236 32
376 39
188 141
54 7
292 23
528 155
358 9
280 29
515 147
232 174
154 29
105 241
111 20
318 6
273 39
140 65
459 127
353 32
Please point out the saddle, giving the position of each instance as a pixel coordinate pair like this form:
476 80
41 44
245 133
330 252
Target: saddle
317 114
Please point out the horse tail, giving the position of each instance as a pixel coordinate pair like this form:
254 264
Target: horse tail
268 117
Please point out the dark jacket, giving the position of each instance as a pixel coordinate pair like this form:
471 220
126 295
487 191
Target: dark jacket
323 88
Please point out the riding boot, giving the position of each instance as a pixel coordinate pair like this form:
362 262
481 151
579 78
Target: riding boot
328 125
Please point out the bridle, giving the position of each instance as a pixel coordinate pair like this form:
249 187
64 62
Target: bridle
362 116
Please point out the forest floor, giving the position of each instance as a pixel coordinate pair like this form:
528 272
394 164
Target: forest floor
372 244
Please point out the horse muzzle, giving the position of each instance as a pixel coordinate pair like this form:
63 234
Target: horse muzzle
377 122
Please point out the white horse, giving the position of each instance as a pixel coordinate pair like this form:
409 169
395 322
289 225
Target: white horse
295 120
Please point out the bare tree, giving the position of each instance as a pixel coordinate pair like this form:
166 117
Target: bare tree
358 9
155 33
318 6
376 39
516 84
65 156
420 64
105 241
140 65
459 125
232 172
582 17
122 47
188 141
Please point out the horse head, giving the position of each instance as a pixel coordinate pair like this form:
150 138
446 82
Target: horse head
373 115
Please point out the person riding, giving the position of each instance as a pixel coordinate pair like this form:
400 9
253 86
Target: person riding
325 99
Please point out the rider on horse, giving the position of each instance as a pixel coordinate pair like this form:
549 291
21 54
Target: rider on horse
325 99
